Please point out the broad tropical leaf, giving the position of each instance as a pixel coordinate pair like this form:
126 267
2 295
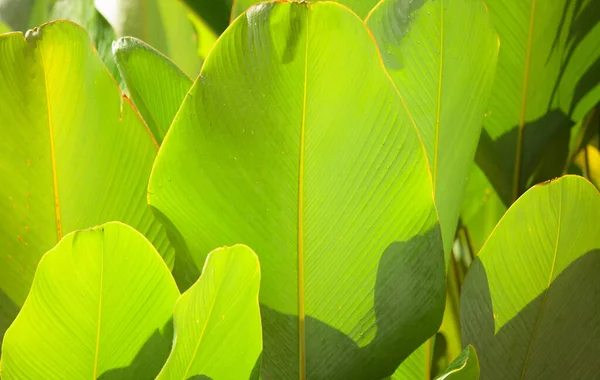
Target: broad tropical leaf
360 7
534 288
290 144
164 24
547 79
156 85
100 307
75 154
441 55
464 367
217 320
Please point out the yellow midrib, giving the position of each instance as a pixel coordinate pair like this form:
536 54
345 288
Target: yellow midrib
99 318
301 334
545 298
52 153
439 101
210 313
520 135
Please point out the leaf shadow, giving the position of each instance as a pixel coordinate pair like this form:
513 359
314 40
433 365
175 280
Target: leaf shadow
565 344
185 272
150 358
408 293
8 313
545 151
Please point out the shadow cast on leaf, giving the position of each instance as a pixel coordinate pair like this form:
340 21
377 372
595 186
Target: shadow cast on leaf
149 360
564 318
409 293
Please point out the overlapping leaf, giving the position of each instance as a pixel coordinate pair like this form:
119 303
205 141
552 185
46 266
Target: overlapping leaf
164 24
441 56
217 320
156 85
74 153
291 145
360 7
546 81
100 307
530 299
464 367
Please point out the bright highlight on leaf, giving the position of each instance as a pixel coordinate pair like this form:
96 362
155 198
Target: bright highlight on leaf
100 307
290 144
529 301
217 320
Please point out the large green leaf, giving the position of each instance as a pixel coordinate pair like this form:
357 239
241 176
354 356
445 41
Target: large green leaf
547 79
217 320
360 7
294 141
156 85
164 24
100 307
74 152
464 367
531 301
441 56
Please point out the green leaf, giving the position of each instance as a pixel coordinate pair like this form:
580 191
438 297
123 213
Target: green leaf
156 85
464 367
75 154
217 320
100 307
533 290
360 7
294 142
441 56
417 365
164 24
546 81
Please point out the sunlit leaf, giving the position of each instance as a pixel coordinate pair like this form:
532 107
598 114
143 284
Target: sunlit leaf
156 85
289 144
441 55
75 154
217 320
534 288
100 307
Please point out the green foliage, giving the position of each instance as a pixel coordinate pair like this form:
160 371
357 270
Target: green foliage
352 144
533 289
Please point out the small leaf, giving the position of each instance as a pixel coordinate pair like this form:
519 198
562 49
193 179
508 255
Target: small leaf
156 85
217 321
464 367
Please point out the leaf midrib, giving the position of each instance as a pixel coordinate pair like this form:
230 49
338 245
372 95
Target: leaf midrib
301 312
547 290
57 214
521 132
